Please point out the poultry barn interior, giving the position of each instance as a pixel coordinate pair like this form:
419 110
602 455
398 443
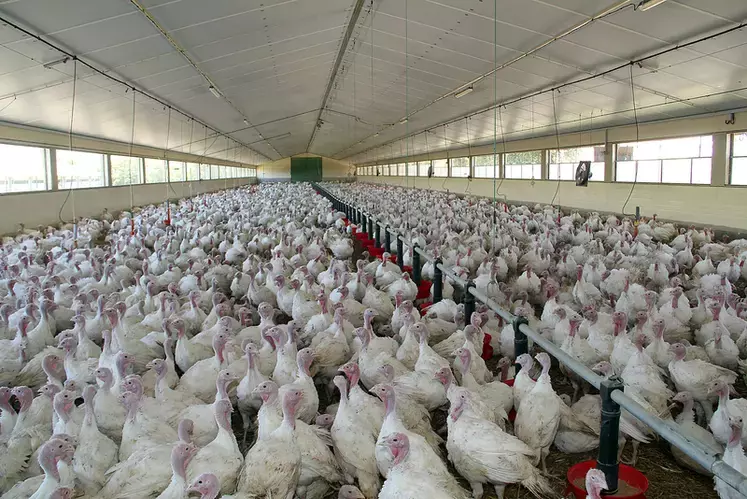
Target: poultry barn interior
361 249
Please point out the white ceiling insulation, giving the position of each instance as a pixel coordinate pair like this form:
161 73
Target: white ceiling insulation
272 62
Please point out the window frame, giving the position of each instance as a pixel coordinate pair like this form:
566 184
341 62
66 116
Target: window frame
461 167
658 177
741 158
560 164
104 169
533 166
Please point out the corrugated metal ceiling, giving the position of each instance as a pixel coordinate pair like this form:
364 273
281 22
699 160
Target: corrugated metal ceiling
273 59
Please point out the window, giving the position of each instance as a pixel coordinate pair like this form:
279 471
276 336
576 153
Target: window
214 172
155 171
423 167
126 170
675 161
460 167
23 168
204 172
486 166
193 171
77 170
400 169
412 169
739 159
252 173
526 164
563 162
222 171
177 170
440 167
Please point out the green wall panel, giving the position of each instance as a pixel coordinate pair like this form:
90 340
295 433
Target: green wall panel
306 169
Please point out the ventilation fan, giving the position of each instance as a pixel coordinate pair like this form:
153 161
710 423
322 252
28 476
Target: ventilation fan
378 172
583 173
430 171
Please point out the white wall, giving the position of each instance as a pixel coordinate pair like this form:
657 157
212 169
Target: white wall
332 169
43 208
722 207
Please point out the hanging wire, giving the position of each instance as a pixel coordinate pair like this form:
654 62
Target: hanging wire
637 136
129 160
495 127
407 112
70 148
469 157
557 146
166 164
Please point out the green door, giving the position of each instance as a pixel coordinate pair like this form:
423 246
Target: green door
306 169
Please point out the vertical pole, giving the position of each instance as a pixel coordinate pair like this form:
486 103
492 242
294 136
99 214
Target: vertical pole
438 281
469 302
609 432
364 222
370 227
400 252
521 343
416 267
387 240
379 235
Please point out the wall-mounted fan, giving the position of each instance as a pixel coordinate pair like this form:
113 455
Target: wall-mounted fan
430 171
378 172
583 173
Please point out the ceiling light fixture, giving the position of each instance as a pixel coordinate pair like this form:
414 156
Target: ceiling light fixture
246 122
376 134
649 4
215 92
52 64
461 93
403 121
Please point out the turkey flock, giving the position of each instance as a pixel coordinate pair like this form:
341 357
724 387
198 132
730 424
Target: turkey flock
235 344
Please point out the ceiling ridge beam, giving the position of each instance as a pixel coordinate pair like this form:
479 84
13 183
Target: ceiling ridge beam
354 16
194 65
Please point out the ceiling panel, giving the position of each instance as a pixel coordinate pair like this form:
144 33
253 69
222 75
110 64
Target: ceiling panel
273 60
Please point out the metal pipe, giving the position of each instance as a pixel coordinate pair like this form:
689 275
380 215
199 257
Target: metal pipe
438 282
669 432
378 235
548 346
370 227
729 475
387 240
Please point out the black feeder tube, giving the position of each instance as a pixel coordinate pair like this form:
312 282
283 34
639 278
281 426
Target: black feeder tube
387 240
609 433
469 302
521 342
370 227
379 238
416 267
364 222
438 281
400 253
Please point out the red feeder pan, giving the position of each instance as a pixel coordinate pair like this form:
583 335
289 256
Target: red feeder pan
353 229
424 290
632 484
376 252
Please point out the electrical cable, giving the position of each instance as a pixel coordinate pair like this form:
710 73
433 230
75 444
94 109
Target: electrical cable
637 137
